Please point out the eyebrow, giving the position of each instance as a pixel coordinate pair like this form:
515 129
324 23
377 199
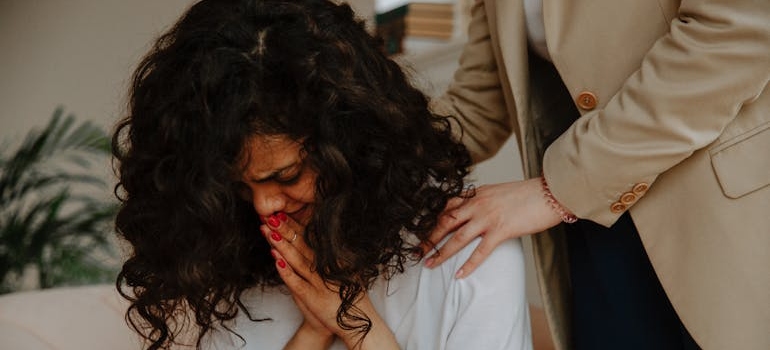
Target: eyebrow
274 174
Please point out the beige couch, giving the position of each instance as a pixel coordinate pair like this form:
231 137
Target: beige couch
92 318
77 318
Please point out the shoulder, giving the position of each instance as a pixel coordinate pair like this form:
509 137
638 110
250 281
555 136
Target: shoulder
501 272
494 295
507 256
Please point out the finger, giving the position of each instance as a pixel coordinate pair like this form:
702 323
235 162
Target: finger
291 231
486 246
448 221
281 220
295 228
288 220
290 253
459 239
278 222
300 264
298 286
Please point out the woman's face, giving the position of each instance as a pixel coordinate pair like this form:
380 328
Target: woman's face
275 178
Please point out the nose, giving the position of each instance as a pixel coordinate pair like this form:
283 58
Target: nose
268 199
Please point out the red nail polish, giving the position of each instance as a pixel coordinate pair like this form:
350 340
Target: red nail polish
282 216
273 253
281 263
273 221
275 236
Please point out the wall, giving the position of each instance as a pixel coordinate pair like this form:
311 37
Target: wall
75 53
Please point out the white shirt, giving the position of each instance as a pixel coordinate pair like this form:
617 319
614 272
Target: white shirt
426 308
533 14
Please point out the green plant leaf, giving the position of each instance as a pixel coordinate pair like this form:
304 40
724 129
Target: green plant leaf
44 223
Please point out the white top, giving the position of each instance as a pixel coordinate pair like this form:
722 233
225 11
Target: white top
426 309
533 14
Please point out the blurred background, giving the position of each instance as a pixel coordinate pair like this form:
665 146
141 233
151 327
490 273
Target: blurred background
64 72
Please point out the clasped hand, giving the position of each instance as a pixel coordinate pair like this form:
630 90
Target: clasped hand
316 299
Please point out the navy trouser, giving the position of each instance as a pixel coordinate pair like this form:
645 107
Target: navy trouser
618 301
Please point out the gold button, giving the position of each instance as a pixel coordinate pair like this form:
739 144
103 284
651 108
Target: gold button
617 207
640 188
586 100
628 198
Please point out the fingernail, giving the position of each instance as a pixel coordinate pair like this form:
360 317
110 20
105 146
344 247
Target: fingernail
273 221
273 253
429 262
282 216
275 236
459 274
281 263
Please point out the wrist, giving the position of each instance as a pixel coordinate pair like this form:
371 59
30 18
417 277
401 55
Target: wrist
564 214
379 337
309 337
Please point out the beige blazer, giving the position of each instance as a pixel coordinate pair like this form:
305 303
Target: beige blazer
674 126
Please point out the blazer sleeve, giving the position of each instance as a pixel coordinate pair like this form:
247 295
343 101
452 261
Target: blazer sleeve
475 96
691 84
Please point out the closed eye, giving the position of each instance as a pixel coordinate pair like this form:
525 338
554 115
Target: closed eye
290 179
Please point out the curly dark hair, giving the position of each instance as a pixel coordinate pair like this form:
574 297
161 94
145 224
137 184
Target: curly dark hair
232 69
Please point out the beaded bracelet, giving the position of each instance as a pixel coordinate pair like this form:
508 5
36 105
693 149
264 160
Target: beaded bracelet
565 214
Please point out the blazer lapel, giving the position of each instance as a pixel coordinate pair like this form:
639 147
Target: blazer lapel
508 30
506 19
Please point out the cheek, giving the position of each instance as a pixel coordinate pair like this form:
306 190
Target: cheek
304 189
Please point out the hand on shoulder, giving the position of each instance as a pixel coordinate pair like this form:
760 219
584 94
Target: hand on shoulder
496 213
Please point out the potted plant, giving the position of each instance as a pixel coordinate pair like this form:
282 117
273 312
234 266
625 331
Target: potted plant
55 214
